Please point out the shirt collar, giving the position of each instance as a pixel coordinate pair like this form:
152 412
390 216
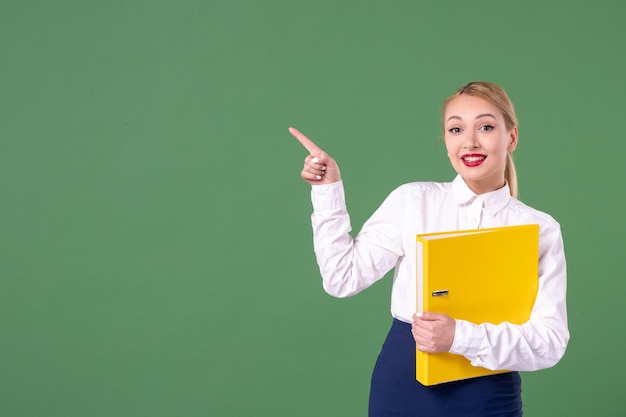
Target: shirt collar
494 201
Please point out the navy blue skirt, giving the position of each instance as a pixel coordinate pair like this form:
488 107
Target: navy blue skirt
395 392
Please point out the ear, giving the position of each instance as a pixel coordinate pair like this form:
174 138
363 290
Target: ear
512 139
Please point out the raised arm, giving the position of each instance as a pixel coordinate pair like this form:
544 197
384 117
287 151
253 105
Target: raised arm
347 265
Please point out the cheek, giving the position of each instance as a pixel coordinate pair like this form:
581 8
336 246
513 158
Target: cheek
452 151
449 147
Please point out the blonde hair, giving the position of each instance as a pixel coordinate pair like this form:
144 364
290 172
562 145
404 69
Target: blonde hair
495 95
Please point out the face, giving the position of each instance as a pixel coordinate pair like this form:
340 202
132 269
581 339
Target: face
478 142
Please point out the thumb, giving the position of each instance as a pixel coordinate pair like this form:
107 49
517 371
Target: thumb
428 316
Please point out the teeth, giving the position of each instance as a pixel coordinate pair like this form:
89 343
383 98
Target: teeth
474 158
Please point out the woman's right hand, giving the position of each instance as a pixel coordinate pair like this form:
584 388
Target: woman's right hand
319 167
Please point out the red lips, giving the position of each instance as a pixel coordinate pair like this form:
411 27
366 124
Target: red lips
473 159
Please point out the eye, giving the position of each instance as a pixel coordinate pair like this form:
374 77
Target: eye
486 127
454 130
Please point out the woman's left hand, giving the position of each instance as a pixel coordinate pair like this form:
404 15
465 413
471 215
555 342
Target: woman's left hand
433 332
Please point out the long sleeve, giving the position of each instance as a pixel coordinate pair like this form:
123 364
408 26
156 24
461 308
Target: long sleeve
387 241
349 265
541 341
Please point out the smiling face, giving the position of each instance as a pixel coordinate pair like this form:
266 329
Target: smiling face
478 141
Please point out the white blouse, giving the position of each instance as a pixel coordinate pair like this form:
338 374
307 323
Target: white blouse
387 240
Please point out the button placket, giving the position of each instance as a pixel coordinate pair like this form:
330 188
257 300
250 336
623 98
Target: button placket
475 213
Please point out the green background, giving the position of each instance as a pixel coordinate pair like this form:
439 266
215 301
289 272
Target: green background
155 242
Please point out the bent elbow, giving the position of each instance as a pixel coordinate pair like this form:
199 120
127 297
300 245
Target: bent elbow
560 346
339 290
554 349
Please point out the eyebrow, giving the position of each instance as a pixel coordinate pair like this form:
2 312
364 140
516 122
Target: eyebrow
477 117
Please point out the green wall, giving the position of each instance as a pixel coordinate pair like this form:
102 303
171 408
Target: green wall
155 243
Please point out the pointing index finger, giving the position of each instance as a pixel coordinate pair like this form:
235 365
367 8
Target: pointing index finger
306 142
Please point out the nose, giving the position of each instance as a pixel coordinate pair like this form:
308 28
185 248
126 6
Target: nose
471 140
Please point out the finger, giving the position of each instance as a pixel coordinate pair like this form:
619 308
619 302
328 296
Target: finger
425 327
422 328
313 172
420 319
316 162
424 348
306 142
307 176
424 344
416 333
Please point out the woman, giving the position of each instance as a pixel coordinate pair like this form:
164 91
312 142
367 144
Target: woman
480 133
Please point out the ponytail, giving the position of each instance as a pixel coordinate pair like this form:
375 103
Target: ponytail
511 175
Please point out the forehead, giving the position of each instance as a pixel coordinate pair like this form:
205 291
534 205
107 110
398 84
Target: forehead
470 107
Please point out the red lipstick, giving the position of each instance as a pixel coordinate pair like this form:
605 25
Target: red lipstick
473 159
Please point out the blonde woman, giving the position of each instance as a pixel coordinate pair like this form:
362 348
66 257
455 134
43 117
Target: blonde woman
480 133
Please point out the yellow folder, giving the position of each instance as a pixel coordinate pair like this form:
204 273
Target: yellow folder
483 276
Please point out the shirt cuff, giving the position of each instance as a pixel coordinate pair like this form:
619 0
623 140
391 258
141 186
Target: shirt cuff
467 339
327 197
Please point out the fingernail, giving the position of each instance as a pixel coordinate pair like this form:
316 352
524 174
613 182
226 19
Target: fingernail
319 177
324 168
418 314
315 160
